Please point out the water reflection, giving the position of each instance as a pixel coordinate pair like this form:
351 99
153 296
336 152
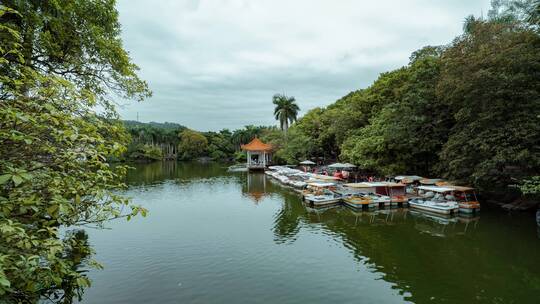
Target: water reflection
431 258
158 172
425 258
76 256
254 186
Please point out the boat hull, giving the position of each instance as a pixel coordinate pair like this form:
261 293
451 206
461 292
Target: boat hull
469 208
322 203
434 209
360 206
359 203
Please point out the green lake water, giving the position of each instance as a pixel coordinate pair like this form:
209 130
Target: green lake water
218 237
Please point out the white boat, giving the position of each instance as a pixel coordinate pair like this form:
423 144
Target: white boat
297 184
327 199
359 201
382 200
282 178
440 207
317 194
434 200
370 191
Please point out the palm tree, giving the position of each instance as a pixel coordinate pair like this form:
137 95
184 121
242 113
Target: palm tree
286 110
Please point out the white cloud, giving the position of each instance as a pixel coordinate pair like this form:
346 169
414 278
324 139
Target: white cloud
215 64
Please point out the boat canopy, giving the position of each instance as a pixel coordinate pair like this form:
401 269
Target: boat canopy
436 189
307 162
374 184
359 185
324 177
320 185
408 177
460 188
430 181
384 184
341 166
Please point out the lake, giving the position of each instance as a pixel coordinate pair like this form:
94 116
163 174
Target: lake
218 237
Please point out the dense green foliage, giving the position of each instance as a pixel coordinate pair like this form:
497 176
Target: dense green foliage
157 141
192 144
57 61
152 141
490 80
468 111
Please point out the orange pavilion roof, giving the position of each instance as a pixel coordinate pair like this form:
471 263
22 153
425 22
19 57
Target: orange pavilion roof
256 145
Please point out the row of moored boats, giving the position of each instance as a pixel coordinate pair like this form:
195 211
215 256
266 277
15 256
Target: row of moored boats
432 195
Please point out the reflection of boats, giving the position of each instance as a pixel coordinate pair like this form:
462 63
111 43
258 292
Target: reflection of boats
434 217
434 200
441 225
432 224
468 220
379 217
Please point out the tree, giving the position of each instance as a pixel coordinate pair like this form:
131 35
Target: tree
246 134
57 60
79 41
489 77
286 110
407 134
192 144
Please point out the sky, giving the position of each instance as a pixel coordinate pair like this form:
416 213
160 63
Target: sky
215 64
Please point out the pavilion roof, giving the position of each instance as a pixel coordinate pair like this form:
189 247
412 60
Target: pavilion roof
256 145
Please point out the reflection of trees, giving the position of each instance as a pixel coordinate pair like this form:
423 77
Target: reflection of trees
160 171
76 256
287 220
429 258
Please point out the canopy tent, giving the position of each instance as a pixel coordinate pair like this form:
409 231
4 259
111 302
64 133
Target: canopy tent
408 177
436 189
374 184
359 185
349 165
321 184
307 162
430 181
341 166
323 177
384 184
460 188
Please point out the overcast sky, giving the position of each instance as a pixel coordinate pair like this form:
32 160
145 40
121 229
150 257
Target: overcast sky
215 64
